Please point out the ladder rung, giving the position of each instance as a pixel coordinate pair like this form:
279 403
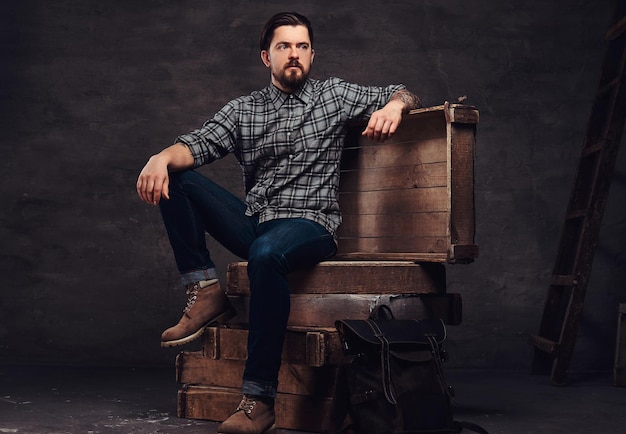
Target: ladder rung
564 280
615 31
606 88
577 214
596 147
543 344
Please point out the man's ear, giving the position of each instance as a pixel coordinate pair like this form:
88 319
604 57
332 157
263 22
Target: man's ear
265 57
312 55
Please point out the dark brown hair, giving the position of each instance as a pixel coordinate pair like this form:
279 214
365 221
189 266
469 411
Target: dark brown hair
283 19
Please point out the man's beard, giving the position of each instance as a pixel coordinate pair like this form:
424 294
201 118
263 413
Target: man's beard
291 79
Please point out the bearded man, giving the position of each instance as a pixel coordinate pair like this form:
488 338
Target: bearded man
288 139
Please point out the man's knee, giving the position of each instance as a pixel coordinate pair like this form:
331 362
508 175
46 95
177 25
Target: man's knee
264 253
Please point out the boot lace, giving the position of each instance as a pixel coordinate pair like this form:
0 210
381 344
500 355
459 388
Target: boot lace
192 293
246 405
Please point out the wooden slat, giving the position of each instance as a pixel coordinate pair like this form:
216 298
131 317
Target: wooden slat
328 277
206 402
395 225
211 343
370 249
294 412
463 114
311 347
415 151
428 249
400 201
415 175
194 368
322 310
462 219
373 255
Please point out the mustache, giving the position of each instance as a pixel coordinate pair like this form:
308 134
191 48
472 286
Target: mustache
293 63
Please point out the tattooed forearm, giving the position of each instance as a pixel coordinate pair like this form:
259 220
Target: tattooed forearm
410 100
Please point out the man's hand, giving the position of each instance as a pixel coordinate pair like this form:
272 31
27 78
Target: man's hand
384 122
153 181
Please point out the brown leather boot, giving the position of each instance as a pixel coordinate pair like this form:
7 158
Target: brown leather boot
207 304
252 416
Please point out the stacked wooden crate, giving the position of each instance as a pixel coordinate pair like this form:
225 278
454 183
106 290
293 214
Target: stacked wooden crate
408 209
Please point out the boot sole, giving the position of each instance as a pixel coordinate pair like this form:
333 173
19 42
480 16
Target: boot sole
270 430
219 319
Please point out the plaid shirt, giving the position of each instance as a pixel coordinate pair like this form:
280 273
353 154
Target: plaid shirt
289 145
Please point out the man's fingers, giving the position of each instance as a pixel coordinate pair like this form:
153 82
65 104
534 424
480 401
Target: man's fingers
152 192
150 189
379 131
166 189
381 127
142 190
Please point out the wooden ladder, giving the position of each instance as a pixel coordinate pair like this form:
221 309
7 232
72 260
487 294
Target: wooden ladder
554 345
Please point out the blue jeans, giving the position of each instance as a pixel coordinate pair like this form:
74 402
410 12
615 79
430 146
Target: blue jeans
273 249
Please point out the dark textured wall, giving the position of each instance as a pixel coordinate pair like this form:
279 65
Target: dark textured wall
89 89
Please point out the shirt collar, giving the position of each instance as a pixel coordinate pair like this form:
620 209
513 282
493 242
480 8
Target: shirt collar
304 94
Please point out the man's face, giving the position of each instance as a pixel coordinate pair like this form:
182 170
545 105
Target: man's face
289 57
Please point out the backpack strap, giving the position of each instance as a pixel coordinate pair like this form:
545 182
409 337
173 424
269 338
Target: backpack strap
384 363
437 356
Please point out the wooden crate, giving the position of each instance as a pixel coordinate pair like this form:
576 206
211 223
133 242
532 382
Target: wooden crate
194 368
294 412
211 378
413 196
352 277
351 289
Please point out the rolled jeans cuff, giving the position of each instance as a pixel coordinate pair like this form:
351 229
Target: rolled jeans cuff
257 388
198 275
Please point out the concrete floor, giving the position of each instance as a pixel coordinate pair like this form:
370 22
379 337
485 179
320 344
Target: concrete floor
41 400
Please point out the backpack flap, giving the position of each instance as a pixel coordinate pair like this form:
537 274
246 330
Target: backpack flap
406 339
